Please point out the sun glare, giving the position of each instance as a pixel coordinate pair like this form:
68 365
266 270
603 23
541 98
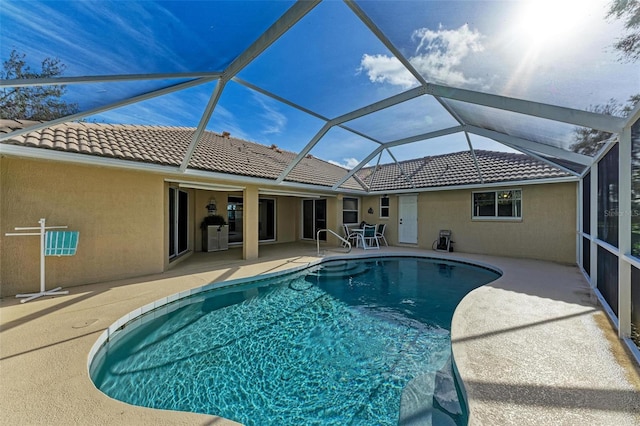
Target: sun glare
544 23
544 31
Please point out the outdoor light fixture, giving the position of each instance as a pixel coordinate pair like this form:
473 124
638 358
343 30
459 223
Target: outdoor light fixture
370 211
211 207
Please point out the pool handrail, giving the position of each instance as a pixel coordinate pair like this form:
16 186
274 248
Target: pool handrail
344 241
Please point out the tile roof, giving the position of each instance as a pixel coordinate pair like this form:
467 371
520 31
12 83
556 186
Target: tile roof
224 154
457 169
168 145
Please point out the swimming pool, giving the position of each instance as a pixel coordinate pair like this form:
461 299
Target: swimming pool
345 342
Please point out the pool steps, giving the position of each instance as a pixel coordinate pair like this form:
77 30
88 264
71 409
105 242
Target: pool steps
340 269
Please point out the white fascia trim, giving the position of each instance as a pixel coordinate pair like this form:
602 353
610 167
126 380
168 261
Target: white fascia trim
204 185
261 181
478 186
85 159
267 191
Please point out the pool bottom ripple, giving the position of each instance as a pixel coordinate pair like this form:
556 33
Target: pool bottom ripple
287 353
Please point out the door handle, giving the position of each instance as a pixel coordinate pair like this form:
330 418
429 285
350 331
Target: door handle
400 221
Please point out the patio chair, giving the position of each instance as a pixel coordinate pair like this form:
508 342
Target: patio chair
352 237
380 233
369 237
443 243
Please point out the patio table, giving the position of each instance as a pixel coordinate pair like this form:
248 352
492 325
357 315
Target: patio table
360 237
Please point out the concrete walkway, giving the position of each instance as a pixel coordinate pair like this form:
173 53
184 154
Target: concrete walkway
532 347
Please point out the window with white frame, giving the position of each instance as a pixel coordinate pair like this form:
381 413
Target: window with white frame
349 210
384 207
503 204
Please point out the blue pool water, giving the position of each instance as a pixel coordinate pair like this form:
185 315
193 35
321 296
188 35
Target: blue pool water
362 342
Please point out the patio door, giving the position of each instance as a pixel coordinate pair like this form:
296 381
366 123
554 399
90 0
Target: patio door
178 222
408 219
314 217
266 219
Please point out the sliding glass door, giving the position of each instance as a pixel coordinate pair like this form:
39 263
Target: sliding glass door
266 219
178 222
314 217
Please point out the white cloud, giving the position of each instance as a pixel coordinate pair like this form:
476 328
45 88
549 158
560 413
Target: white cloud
348 163
274 122
223 120
182 108
437 57
382 68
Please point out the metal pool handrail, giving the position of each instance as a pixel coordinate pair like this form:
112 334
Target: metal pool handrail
348 244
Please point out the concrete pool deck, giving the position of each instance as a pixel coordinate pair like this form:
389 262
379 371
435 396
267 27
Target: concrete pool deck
532 347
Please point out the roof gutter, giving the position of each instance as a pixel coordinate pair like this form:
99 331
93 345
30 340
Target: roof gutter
96 161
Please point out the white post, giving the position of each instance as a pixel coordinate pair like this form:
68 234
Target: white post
624 233
593 229
579 225
42 233
42 244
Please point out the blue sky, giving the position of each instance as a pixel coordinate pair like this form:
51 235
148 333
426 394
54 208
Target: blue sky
556 52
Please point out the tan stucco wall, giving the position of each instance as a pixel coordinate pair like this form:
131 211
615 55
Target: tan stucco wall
288 211
119 214
391 232
547 230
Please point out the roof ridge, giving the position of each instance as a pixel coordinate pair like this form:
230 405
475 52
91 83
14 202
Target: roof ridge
425 158
452 154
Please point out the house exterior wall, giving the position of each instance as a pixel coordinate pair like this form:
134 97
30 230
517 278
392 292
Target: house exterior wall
547 230
288 217
122 218
391 232
119 213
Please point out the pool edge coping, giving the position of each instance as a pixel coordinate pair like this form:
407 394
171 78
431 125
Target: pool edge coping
113 329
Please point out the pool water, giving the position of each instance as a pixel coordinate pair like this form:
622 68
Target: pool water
361 342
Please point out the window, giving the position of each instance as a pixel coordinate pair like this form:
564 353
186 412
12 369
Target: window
497 204
384 207
349 210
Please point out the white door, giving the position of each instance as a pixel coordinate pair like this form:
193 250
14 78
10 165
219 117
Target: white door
408 219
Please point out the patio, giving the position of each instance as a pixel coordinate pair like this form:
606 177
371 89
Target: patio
529 346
